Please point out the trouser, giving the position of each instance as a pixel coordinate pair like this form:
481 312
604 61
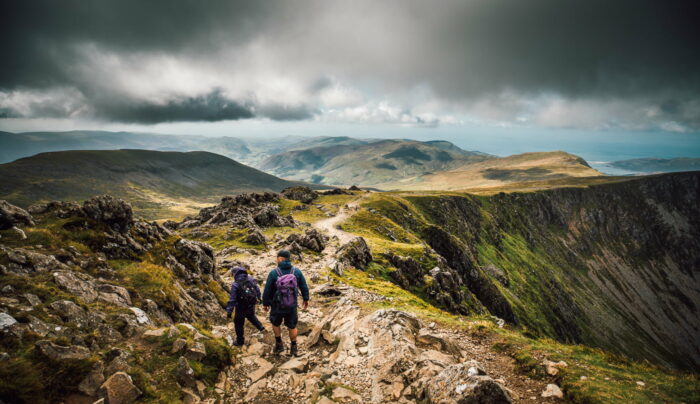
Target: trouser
243 313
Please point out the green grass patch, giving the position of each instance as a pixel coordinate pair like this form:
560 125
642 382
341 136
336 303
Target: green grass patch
148 280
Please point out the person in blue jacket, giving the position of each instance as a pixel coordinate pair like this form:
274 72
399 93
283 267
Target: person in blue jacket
245 294
271 302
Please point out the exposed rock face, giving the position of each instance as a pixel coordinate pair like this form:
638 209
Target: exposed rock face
242 211
11 216
354 253
455 385
301 194
197 257
57 208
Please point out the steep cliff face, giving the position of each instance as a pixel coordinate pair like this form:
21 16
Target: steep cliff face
615 266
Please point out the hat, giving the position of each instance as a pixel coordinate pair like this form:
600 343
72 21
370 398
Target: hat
284 254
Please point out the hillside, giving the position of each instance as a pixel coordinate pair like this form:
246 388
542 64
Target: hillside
444 298
612 265
368 164
500 171
158 184
657 165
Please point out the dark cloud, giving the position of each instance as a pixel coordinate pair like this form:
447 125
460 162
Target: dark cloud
645 52
209 108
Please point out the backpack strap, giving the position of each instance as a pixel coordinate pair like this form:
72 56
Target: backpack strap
279 271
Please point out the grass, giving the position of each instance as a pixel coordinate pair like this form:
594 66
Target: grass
151 281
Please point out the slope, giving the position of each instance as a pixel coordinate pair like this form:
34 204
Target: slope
612 265
369 164
159 184
494 172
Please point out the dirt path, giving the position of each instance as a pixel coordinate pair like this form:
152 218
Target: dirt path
330 225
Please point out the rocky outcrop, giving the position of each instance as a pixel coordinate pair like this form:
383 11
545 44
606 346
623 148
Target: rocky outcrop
312 240
355 253
242 211
113 212
119 389
12 216
302 194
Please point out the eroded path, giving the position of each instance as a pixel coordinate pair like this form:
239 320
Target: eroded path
352 352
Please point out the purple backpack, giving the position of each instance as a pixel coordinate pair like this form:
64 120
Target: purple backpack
286 289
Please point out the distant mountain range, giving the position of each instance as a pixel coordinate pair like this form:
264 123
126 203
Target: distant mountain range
657 165
158 184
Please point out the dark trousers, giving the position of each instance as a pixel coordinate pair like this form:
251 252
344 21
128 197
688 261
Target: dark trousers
243 313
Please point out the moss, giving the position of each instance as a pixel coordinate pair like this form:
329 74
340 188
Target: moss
219 292
148 280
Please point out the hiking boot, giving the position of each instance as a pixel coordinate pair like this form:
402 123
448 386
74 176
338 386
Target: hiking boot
294 350
238 343
279 347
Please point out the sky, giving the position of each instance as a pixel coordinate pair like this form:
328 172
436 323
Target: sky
608 78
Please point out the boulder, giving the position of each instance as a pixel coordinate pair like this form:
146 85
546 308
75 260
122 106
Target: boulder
119 389
6 321
255 237
302 194
141 316
408 271
264 367
196 351
59 353
341 394
454 384
497 274
71 312
78 284
297 365
355 253
552 390
425 336
59 209
114 212
197 257
12 216
112 294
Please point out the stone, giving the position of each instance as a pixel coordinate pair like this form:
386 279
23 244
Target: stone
59 353
32 299
264 367
196 351
113 294
119 361
640 383
454 384
552 390
158 332
552 368
254 390
296 364
76 283
141 316
90 385
6 321
189 397
355 253
11 216
302 194
325 400
255 237
342 394
178 345
119 389
425 336
184 373
114 212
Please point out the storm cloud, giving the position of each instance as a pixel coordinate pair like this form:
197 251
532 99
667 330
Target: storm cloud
550 63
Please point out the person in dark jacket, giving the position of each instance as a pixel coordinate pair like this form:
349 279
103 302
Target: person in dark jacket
245 294
271 302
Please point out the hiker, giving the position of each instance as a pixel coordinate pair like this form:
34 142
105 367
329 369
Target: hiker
280 297
245 294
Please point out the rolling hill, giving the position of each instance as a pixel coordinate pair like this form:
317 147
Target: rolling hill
500 171
369 163
158 184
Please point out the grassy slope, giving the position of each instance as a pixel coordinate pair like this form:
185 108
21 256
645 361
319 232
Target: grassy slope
158 184
498 172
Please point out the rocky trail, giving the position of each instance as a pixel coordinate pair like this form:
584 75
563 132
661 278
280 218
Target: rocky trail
350 353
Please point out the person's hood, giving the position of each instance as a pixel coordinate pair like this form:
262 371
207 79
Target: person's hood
240 274
285 265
